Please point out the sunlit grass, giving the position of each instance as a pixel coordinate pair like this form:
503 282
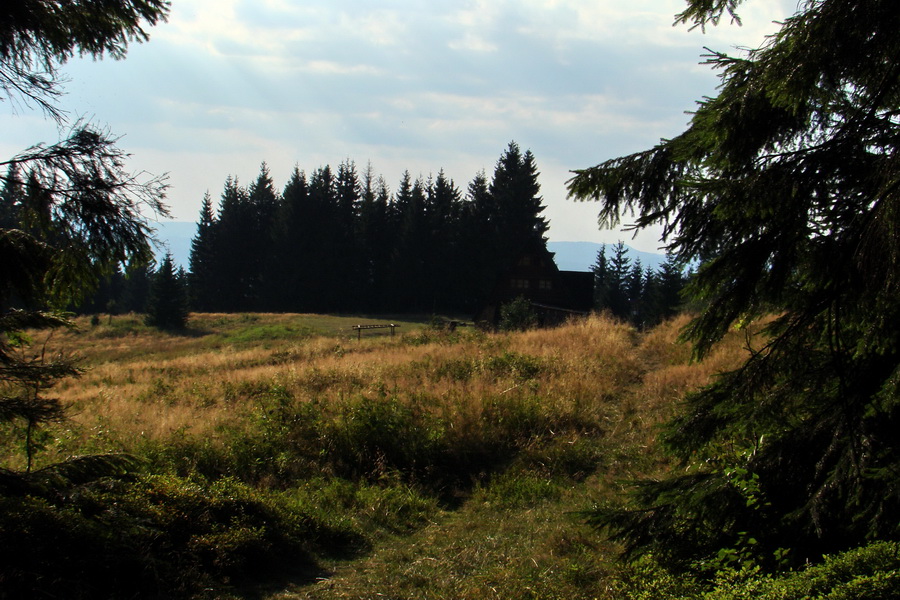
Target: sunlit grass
514 434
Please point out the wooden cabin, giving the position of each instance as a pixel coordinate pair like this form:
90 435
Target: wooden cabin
555 295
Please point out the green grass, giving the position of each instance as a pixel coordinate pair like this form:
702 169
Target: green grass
310 464
249 329
317 467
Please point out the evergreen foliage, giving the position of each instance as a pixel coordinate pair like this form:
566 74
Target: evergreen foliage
167 306
639 296
479 214
135 287
514 191
513 214
871 572
347 266
202 279
785 184
518 315
36 35
341 242
70 214
235 266
375 240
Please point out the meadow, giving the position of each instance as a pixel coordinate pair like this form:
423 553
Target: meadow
278 456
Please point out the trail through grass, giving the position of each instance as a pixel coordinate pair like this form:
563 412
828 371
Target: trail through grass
431 464
533 549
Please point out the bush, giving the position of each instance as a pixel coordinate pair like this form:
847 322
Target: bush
866 573
374 437
159 536
518 315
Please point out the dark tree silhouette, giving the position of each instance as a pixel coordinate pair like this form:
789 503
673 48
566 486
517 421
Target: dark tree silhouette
167 302
71 214
202 285
786 184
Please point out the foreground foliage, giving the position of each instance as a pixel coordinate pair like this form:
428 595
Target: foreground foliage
786 185
274 461
70 213
269 452
867 573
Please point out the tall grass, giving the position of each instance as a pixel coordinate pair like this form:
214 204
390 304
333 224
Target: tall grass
340 442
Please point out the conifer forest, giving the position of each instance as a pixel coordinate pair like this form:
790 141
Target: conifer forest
343 242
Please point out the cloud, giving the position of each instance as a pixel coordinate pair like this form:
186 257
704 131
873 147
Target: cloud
418 85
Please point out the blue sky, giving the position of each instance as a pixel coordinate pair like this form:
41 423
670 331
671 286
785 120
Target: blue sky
406 85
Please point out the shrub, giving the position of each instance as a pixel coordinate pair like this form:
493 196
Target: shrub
158 536
518 315
866 573
373 437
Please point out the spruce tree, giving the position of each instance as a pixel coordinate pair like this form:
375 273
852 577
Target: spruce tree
442 214
408 263
347 270
479 245
376 239
786 184
263 202
235 267
634 290
671 281
650 310
618 298
202 285
506 214
70 214
288 265
322 231
601 272
167 301
515 191
136 287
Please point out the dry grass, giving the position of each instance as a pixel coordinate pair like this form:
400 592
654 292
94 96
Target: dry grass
597 388
140 383
143 383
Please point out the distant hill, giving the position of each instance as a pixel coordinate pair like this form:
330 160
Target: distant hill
570 256
582 256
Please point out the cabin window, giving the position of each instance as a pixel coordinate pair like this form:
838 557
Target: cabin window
545 284
519 284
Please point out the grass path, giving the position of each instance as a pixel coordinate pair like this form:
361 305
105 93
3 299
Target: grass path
485 549
544 424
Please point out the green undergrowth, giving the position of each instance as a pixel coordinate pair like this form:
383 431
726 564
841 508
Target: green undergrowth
870 572
374 438
295 487
162 536
470 480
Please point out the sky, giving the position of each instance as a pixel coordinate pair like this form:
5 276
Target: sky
417 85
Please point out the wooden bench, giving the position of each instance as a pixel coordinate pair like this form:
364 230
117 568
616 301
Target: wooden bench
359 329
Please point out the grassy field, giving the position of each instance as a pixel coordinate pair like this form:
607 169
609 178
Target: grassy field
280 457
